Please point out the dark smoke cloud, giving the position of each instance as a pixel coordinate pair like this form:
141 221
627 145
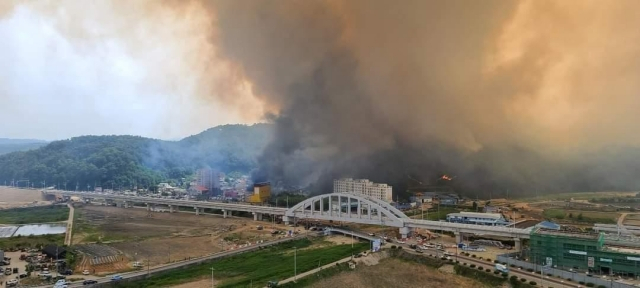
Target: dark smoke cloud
520 95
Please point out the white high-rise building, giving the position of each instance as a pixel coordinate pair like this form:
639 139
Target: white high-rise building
364 187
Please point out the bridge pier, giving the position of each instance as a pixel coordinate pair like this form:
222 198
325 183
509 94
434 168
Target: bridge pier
224 213
121 204
197 211
148 207
257 216
518 244
286 220
458 237
170 208
404 232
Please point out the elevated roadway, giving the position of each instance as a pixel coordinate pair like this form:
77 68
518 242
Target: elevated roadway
173 204
330 207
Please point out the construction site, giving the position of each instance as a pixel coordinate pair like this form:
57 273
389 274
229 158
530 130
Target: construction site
593 253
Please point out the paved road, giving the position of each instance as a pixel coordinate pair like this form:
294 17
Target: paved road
67 238
302 275
188 262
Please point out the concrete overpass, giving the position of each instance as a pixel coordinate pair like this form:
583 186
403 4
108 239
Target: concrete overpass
330 207
173 204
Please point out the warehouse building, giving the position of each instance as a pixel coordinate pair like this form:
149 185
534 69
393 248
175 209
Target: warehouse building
593 252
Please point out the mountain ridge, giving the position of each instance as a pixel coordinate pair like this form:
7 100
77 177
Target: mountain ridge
125 160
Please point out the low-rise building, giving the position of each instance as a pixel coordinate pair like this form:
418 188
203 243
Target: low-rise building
261 193
489 219
491 209
447 200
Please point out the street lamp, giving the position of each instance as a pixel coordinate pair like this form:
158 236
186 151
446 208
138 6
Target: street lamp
295 264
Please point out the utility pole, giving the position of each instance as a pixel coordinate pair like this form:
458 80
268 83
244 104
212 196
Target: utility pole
295 264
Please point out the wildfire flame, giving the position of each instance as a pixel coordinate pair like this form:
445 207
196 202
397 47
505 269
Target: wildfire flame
445 177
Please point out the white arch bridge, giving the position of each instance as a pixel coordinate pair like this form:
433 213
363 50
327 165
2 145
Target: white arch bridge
336 207
365 210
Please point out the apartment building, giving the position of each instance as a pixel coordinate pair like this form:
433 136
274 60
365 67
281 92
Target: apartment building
363 187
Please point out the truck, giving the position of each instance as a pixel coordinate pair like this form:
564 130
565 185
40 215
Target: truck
502 268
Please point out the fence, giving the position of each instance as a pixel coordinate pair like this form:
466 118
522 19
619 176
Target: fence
574 276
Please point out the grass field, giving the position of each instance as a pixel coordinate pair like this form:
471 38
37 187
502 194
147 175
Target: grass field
432 214
40 214
581 216
256 268
577 196
390 272
31 241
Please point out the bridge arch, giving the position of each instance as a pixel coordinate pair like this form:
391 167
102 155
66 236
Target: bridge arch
347 207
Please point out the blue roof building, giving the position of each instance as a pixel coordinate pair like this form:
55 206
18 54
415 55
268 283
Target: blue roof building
548 225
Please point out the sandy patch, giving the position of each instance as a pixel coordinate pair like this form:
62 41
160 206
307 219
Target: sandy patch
13 197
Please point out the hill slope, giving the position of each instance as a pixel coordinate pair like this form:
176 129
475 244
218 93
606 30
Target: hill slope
125 160
13 145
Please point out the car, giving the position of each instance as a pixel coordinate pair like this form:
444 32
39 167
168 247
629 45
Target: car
12 282
116 278
85 272
89 282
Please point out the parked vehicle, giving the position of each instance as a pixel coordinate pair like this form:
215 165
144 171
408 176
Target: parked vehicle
86 272
502 268
7 271
89 282
12 282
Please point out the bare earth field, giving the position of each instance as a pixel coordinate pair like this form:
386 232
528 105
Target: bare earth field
13 197
632 219
164 237
396 273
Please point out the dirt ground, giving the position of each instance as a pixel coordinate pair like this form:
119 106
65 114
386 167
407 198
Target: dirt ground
396 273
166 237
13 197
632 219
204 283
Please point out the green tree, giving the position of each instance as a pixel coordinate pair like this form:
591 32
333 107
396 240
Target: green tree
475 205
570 215
580 218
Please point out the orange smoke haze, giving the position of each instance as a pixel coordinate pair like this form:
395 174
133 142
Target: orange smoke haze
350 83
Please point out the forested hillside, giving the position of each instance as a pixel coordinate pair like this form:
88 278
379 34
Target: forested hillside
124 160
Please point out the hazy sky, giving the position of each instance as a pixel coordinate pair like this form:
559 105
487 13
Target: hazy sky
69 68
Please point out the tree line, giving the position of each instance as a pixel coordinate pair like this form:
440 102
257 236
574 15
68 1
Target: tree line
126 161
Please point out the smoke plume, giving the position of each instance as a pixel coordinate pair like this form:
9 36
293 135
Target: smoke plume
518 95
